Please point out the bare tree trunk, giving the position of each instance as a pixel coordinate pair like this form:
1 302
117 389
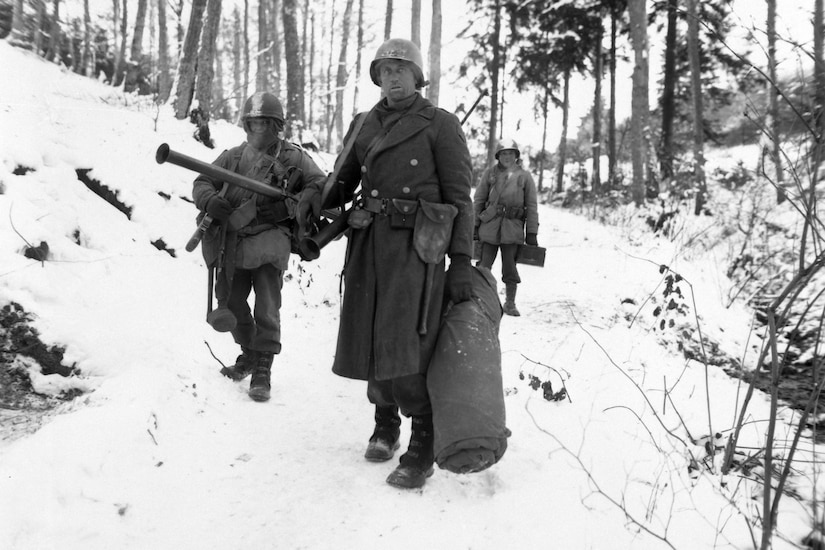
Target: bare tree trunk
668 92
611 119
819 79
565 110
598 70
206 57
275 51
54 33
311 70
545 103
120 68
494 76
341 76
237 58
330 114
164 67
358 49
38 34
137 38
640 108
262 76
434 54
415 22
696 90
245 57
188 61
294 68
388 21
18 25
772 124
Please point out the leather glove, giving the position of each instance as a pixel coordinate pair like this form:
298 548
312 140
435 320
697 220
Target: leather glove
475 233
308 209
459 279
219 208
531 240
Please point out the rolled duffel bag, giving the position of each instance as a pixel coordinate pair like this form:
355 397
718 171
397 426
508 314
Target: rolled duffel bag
464 382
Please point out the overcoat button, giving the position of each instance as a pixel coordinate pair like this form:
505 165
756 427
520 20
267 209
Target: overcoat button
363 169
405 189
374 192
414 162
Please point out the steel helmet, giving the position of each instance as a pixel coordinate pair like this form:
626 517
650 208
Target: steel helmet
405 50
507 144
263 105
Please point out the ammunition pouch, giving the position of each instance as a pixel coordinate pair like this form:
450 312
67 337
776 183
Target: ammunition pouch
503 211
433 230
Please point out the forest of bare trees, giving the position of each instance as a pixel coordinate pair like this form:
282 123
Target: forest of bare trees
208 55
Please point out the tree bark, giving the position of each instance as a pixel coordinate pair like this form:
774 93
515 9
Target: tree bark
246 61
206 57
696 92
120 68
640 107
668 93
434 54
164 76
137 38
772 123
359 47
494 76
54 33
598 70
565 113
415 22
341 73
819 79
294 68
611 118
388 21
262 75
238 57
188 61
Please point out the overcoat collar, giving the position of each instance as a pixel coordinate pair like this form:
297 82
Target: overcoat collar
419 116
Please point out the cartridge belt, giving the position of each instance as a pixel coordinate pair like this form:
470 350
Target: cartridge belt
388 207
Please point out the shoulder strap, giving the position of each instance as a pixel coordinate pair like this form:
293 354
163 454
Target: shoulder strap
330 183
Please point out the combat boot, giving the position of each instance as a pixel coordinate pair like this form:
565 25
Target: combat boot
510 300
416 465
243 366
259 386
384 440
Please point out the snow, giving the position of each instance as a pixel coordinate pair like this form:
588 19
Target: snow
161 451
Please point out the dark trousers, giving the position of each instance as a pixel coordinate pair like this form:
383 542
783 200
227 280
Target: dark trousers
408 393
509 273
259 330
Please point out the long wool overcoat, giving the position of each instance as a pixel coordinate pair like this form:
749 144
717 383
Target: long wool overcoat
513 189
423 156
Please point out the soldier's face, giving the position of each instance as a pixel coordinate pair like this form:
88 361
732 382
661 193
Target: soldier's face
261 132
507 158
397 79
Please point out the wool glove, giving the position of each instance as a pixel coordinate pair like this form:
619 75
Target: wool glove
459 279
219 208
531 240
308 209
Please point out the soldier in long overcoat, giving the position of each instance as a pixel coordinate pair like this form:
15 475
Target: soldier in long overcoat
413 166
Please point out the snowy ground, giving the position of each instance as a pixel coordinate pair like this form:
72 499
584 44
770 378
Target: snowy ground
163 452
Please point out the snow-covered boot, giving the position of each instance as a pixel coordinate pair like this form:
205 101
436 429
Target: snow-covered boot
243 365
416 465
384 440
510 300
259 385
